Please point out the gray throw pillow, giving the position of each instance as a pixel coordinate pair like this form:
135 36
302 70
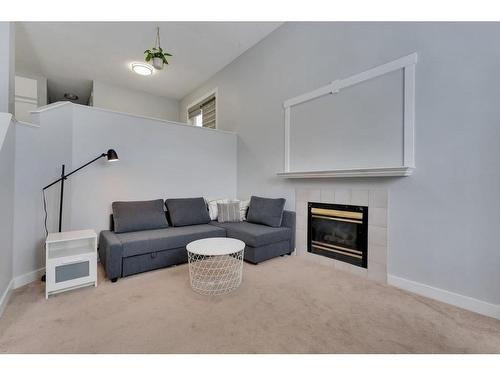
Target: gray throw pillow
228 212
187 211
138 215
266 211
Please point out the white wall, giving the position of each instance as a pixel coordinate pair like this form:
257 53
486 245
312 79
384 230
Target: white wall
30 93
7 66
444 219
158 159
122 99
359 127
40 152
7 154
41 83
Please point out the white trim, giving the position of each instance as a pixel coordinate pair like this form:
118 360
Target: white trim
455 299
324 90
214 92
4 299
49 107
60 104
407 63
356 172
27 278
337 85
26 99
409 117
287 139
28 124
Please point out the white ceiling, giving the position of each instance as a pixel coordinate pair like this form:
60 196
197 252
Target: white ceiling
72 54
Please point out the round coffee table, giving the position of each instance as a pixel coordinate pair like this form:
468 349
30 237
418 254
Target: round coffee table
215 265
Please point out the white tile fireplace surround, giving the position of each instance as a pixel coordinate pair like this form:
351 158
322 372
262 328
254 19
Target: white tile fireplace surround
377 202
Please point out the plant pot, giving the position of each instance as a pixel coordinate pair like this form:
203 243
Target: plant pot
158 63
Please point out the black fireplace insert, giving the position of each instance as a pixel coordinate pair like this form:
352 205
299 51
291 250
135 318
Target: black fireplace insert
338 231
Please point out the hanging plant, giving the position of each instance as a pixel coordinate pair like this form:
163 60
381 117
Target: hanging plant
156 54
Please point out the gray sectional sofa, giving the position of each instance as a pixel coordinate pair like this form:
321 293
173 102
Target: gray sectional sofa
143 236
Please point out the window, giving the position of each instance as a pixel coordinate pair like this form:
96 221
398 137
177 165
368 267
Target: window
197 120
203 113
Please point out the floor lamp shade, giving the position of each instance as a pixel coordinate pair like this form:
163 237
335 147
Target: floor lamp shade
112 155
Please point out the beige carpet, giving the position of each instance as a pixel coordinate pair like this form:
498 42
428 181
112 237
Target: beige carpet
286 305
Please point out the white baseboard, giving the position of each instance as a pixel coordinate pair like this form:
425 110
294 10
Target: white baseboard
455 299
18 282
4 299
27 278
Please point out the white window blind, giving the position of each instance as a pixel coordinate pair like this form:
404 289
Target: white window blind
206 108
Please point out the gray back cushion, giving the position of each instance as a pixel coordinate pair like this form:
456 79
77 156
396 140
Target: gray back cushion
138 215
266 211
187 211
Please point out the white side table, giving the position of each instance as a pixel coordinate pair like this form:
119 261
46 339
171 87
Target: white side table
215 265
70 261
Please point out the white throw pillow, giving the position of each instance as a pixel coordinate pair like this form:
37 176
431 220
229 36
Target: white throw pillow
212 207
243 209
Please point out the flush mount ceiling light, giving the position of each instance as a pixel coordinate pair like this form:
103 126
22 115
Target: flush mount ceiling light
142 69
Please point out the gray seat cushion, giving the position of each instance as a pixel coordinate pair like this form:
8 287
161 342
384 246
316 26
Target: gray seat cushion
138 215
187 211
266 211
148 241
255 235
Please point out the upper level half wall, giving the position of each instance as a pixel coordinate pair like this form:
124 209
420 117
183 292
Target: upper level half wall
158 159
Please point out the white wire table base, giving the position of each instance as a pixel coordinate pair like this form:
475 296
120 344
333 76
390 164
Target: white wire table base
215 274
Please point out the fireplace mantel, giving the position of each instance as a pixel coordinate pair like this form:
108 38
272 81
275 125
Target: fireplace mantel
358 172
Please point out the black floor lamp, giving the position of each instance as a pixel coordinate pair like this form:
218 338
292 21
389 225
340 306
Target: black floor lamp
110 154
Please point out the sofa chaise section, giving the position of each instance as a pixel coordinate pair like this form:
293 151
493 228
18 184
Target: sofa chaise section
263 242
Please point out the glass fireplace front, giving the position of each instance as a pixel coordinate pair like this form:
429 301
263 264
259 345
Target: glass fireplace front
339 232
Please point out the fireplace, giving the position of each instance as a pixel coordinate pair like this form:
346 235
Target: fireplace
338 231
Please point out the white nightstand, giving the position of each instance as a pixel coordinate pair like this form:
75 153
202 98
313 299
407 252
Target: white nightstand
70 261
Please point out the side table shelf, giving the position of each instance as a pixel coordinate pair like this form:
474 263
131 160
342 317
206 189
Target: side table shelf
70 261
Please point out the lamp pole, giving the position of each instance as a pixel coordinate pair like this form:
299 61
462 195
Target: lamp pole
61 199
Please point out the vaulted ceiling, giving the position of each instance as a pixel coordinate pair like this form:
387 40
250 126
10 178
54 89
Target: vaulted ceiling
72 54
